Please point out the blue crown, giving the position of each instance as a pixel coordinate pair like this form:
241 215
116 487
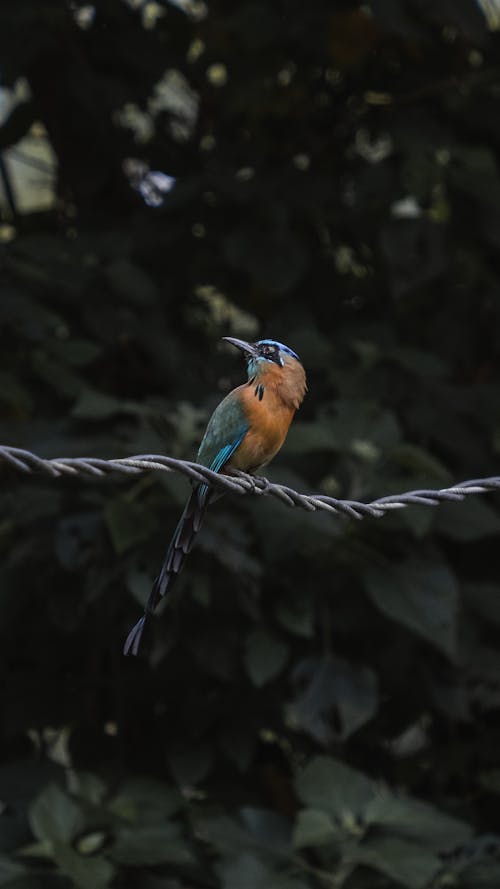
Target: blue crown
280 346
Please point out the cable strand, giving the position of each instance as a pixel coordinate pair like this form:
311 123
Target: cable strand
240 482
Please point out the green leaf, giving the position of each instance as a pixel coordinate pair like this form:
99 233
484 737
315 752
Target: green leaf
359 427
191 765
330 786
14 395
481 875
151 845
238 743
418 362
91 843
489 780
420 519
85 872
145 800
247 871
131 283
128 523
270 829
416 820
420 462
409 864
76 353
94 405
313 435
363 422
274 257
264 657
139 583
88 786
54 816
11 872
331 685
223 832
422 594
296 614
313 828
57 375
472 519
484 600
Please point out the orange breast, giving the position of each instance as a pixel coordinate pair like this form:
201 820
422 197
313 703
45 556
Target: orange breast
269 419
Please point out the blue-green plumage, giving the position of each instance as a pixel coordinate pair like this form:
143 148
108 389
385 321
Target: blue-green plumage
225 431
245 431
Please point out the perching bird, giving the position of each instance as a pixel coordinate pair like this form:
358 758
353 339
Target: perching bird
245 432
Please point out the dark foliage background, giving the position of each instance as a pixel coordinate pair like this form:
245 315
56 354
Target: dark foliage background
320 705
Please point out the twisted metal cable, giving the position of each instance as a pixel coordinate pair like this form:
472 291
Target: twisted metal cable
241 482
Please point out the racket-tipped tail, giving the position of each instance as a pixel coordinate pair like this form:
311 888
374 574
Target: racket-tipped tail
133 640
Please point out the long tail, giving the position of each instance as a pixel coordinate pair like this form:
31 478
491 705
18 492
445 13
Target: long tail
181 543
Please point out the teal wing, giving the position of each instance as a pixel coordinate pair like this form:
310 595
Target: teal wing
226 430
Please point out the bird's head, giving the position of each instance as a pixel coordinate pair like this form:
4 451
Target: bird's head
264 351
277 366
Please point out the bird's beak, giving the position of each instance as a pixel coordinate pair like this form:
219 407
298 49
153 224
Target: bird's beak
248 348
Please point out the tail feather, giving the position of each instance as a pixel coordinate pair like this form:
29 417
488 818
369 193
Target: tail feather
180 545
133 640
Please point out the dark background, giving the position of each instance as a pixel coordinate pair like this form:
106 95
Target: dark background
320 703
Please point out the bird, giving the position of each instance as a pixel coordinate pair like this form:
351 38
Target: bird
245 432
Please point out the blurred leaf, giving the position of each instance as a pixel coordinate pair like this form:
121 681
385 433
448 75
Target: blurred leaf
270 829
151 845
94 405
421 461
470 520
332 787
139 583
238 745
333 692
275 259
363 422
490 780
225 833
418 362
11 873
481 875
353 424
474 172
420 519
128 523
131 283
417 821
91 843
54 816
484 600
265 656
313 828
84 872
76 534
16 124
407 863
65 382
76 353
14 395
190 766
247 871
295 614
420 593
145 800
